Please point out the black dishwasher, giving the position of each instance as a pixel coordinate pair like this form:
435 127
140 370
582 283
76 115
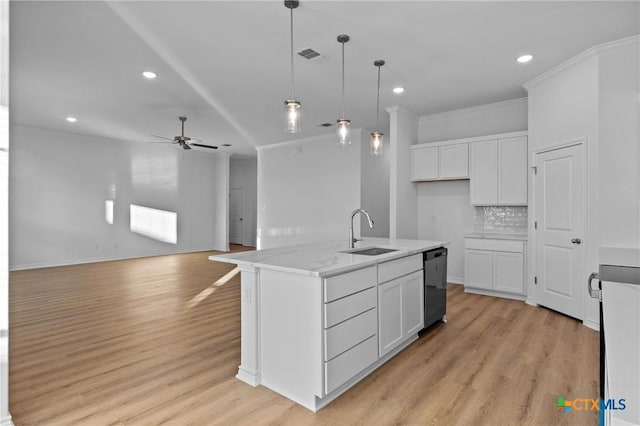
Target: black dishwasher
435 286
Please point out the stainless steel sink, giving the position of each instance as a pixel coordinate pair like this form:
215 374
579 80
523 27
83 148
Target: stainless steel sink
370 251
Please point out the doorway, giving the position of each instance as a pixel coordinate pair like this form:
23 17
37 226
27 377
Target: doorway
235 216
559 223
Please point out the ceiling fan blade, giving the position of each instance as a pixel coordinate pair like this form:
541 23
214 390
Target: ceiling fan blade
162 137
165 142
204 146
186 146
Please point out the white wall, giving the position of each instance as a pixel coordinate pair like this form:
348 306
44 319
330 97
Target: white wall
618 152
444 208
375 188
244 175
403 202
59 183
489 119
564 107
445 214
5 416
595 96
307 189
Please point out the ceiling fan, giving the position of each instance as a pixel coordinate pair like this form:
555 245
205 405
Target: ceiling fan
184 141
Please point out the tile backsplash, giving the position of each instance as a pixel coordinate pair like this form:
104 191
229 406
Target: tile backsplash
501 219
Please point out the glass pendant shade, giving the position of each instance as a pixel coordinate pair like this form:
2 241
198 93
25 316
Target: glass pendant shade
292 113
344 133
375 147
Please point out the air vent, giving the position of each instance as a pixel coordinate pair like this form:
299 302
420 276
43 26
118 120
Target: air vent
325 125
311 55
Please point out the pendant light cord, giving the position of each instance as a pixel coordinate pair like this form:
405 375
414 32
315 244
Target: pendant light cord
343 79
378 102
291 10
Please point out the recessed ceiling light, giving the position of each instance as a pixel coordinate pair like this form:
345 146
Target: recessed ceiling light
398 90
71 119
149 74
525 58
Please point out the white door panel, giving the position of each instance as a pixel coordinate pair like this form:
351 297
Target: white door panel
559 213
235 216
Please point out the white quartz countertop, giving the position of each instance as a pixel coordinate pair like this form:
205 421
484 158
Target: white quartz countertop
520 237
620 256
325 258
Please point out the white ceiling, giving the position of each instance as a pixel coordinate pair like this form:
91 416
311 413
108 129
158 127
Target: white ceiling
225 64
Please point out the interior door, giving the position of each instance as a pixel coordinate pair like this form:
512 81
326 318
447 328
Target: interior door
559 212
235 216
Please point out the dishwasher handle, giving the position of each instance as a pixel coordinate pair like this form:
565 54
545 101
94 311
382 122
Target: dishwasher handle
593 292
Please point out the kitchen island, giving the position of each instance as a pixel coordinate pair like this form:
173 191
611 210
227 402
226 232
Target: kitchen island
317 318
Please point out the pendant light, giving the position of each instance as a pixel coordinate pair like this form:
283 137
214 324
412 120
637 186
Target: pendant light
291 106
375 147
344 135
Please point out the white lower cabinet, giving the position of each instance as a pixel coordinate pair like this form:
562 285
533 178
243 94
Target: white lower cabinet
495 266
401 311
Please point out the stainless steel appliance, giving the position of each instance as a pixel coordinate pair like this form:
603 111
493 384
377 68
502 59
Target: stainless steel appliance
435 286
619 295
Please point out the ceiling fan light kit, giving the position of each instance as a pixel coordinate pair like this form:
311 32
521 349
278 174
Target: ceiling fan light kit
185 141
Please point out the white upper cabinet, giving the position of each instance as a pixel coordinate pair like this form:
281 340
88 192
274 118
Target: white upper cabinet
424 163
484 173
512 168
498 172
453 161
440 161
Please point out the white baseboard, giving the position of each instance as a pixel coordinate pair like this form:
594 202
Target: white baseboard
594 325
455 280
531 302
6 420
69 262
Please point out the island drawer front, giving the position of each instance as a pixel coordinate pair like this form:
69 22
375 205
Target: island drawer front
347 307
343 367
388 271
493 245
349 333
349 283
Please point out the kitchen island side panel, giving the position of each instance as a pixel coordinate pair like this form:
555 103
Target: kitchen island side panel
291 335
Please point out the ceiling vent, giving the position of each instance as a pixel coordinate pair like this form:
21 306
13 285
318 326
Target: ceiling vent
311 55
325 125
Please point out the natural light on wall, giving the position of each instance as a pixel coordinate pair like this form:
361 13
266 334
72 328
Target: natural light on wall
160 225
108 211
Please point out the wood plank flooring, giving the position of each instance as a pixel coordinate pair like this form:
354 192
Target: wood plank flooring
157 341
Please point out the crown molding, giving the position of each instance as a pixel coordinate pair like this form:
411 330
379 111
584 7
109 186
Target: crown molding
461 111
401 110
600 48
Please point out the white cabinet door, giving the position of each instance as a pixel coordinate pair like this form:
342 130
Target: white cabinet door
424 163
484 173
453 161
389 315
413 303
508 272
478 269
512 167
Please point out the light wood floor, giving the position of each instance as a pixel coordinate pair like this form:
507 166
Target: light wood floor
152 341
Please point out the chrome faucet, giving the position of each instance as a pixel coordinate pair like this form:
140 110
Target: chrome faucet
352 239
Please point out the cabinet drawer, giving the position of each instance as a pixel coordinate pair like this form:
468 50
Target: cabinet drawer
349 283
399 267
343 367
349 333
347 307
494 245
